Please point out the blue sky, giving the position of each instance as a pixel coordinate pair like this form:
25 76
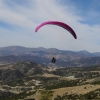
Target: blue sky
19 18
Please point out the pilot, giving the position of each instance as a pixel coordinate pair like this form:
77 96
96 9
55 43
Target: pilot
53 60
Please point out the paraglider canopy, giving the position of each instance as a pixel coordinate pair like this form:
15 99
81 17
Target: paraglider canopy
61 24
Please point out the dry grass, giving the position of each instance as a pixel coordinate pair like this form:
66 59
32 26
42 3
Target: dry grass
76 89
6 67
49 75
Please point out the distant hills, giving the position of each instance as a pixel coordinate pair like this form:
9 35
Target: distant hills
42 55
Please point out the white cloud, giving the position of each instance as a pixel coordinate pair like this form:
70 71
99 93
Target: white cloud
24 19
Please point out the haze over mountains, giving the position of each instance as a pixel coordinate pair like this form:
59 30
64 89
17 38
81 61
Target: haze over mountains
43 56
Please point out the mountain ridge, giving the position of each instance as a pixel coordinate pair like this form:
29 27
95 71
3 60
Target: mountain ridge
65 58
21 49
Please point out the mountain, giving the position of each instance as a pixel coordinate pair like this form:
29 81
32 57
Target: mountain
42 55
86 53
97 54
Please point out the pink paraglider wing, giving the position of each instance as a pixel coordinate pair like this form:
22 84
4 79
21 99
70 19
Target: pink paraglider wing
61 24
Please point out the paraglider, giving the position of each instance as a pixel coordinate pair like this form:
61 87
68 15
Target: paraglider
61 24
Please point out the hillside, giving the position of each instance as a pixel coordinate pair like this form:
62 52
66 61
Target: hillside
31 80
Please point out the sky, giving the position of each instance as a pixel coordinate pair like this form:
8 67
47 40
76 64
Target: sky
19 18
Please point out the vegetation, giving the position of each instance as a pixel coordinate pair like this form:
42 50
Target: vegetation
15 82
19 96
60 84
93 95
45 95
